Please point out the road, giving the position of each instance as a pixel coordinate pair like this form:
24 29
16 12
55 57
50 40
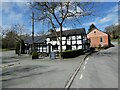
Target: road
28 73
100 70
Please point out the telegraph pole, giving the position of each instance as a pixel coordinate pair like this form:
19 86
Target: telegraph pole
32 31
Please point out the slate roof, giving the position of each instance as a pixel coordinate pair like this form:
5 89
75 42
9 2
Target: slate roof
37 39
41 39
69 32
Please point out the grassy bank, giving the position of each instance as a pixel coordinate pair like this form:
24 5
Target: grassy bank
114 40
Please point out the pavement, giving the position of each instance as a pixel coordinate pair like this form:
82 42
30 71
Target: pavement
100 70
39 73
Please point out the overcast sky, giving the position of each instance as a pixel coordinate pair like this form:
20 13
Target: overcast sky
106 13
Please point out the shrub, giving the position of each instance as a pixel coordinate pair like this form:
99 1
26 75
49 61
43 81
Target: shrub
35 55
71 53
105 47
22 47
17 48
92 49
99 47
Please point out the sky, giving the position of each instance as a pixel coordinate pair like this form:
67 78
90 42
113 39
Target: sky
11 13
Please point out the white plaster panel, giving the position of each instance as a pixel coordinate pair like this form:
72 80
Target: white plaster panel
73 42
48 42
63 47
40 50
63 38
48 39
79 42
54 42
68 42
58 47
73 37
40 47
63 42
73 47
44 50
79 37
79 47
44 47
58 43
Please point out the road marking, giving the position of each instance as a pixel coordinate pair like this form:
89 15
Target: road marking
81 76
84 67
87 58
85 62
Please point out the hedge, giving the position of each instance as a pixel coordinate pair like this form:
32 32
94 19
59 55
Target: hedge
35 55
72 53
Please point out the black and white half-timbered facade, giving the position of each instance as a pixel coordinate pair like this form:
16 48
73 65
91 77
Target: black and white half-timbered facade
71 40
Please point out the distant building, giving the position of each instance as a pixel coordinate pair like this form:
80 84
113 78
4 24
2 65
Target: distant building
98 38
71 40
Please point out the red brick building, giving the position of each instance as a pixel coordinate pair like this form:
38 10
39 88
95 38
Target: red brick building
98 38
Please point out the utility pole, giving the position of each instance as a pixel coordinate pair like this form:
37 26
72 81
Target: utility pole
32 31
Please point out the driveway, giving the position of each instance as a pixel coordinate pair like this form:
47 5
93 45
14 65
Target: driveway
100 70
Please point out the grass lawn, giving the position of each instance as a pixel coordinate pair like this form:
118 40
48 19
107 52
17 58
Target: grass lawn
3 49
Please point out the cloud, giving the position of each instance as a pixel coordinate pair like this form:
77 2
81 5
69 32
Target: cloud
23 6
89 23
13 12
106 19
15 17
64 28
6 7
114 9
109 18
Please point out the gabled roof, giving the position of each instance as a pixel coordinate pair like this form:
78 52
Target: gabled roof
37 39
80 31
41 39
96 33
96 29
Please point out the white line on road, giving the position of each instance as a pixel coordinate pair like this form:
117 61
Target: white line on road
83 67
87 58
81 76
85 62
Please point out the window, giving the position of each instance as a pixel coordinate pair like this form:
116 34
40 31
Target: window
94 31
101 40
53 39
55 47
68 47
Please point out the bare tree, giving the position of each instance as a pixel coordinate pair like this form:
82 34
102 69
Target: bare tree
58 12
19 29
4 31
113 31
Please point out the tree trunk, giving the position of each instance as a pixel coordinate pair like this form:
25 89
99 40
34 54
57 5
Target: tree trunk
20 48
